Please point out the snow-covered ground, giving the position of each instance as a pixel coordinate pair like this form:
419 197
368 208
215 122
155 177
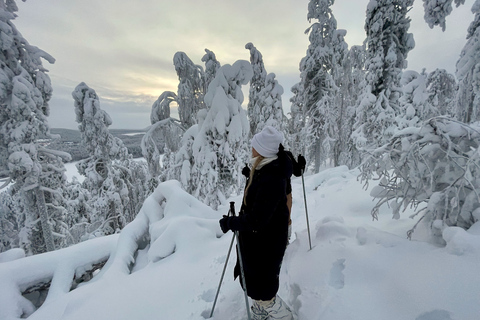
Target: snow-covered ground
73 172
357 269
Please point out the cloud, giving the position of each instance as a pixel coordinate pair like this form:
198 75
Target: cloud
124 50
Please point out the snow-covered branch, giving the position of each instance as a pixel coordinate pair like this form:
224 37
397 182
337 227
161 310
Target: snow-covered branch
438 165
6 183
58 267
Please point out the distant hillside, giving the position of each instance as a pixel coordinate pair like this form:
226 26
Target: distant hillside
70 141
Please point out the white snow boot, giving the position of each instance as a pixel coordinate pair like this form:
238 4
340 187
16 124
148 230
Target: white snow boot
279 310
275 309
258 310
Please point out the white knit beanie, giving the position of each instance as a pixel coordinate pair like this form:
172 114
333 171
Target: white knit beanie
267 142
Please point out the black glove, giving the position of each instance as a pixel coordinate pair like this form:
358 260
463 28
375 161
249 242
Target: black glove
301 162
246 171
224 224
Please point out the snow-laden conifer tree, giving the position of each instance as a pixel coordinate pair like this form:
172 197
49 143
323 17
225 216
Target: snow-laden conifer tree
270 105
78 213
388 43
297 121
441 90
318 89
190 89
164 133
414 100
184 157
350 86
338 117
468 73
9 229
211 67
436 11
319 86
256 86
37 172
115 182
220 148
93 126
356 61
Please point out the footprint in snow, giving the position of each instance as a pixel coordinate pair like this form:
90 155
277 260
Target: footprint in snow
337 278
435 315
208 296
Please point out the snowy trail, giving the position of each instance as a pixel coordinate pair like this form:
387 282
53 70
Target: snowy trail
357 268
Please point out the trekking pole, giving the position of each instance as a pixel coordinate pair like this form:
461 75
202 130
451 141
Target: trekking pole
235 235
223 274
242 274
306 211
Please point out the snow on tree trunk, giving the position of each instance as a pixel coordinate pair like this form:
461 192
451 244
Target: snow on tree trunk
46 228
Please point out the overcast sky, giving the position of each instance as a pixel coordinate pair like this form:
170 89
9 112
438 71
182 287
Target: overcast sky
124 49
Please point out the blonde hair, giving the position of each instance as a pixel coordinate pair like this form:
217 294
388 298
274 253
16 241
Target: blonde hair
250 179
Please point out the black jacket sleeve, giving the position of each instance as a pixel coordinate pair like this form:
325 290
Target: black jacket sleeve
297 168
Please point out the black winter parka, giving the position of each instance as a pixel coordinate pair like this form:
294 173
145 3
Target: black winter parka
263 228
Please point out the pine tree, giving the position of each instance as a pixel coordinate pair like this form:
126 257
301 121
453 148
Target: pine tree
270 105
441 90
337 118
257 84
163 132
318 90
184 158
190 89
115 182
37 172
9 227
350 87
436 11
297 121
220 147
79 213
211 67
468 73
388 44
414 100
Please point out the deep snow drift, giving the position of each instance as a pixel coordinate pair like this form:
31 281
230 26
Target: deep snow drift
358 268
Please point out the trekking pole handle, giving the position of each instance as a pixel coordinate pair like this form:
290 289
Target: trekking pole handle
232 208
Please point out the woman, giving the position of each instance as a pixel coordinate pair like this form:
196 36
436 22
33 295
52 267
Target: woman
263 225
298 169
